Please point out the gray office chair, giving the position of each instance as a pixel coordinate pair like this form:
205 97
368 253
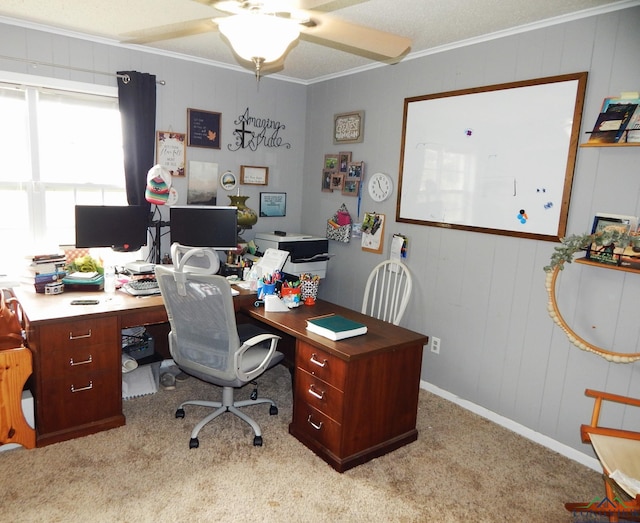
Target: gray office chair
205 342
387 292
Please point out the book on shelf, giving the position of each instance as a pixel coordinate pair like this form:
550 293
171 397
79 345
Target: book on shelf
610 254
612 123
335 327
632 132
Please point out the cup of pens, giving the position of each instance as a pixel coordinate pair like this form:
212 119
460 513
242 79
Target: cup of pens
309 288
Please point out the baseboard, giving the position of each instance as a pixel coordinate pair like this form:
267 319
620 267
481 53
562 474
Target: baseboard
523 431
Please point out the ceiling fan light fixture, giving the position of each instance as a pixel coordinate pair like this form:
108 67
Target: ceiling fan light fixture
258 37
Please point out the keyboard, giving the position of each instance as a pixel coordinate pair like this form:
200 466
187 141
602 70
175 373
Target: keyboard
142 287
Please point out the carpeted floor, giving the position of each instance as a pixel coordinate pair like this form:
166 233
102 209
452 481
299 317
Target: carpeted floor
462 468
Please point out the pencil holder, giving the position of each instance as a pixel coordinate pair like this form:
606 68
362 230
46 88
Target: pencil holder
309 289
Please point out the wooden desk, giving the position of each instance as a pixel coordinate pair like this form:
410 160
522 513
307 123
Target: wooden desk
354 399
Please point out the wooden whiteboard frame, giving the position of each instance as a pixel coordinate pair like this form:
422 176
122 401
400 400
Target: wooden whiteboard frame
543 162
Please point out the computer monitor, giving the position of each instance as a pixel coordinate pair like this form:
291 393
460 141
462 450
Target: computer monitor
204 226
123 228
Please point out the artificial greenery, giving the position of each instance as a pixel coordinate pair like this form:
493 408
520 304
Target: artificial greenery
579 242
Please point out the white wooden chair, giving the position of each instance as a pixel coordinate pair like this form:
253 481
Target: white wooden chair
387 292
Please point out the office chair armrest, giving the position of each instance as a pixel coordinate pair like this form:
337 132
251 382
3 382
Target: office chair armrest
251 342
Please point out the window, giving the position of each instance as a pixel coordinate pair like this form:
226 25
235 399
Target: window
62 146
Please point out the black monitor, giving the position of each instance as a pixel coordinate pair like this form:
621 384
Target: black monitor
204 226
123 228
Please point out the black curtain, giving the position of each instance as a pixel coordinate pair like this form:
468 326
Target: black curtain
137 101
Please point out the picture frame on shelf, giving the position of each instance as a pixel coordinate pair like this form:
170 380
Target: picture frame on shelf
203 128
351 186
273 204
254 175
610 254
348 127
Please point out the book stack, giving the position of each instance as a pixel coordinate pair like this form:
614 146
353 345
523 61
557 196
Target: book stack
335 327
44 269
84 281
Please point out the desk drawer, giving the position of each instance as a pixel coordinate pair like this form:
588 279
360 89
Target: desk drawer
318 363
80 333
72 401
319 394
71 360
317 426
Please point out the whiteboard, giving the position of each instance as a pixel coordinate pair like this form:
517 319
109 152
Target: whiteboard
497 159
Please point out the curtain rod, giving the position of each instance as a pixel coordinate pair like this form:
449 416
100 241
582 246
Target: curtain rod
125 77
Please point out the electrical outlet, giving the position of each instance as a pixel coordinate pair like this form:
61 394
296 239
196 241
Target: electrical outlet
435 345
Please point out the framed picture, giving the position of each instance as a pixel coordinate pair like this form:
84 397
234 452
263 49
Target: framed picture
372 232
228 181
355 170
273 204
344 159
351 186
252 175
526 163
326 180
170 152
610 254
331 162
203 129
348 127
336 181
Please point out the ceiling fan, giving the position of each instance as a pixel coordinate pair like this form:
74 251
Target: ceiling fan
261 31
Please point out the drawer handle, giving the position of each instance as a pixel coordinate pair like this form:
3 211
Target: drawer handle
318 362
83 362
88 387
72 337
317 426
312 391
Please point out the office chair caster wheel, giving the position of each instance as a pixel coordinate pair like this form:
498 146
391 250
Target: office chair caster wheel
180 413
194 443
257 441
273 410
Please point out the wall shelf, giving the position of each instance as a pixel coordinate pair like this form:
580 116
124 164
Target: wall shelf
585 261
624 144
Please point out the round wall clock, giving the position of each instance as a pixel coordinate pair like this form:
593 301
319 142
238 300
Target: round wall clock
380 187
228 181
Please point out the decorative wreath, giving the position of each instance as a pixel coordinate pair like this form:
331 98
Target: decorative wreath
564 254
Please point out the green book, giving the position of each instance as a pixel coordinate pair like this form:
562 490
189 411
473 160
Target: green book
335 327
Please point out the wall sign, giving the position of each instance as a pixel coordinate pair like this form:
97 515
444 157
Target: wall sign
170 151
252 132
203 129
348 127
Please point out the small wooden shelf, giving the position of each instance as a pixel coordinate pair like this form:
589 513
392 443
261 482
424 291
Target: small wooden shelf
624 144
585 261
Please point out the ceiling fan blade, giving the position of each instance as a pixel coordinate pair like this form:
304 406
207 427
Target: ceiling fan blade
232 6
330 30
167 32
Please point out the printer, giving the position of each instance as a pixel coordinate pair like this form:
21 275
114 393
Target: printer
307 254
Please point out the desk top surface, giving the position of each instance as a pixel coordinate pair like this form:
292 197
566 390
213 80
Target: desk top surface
380 334
43 308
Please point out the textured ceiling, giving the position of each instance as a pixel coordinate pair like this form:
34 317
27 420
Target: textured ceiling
431 24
